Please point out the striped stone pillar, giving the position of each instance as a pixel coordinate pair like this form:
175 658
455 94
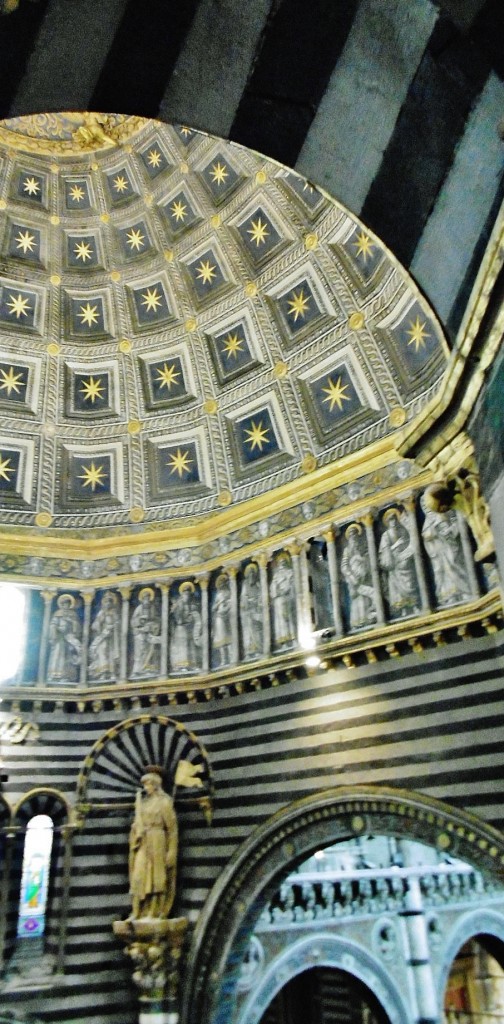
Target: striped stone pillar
330 539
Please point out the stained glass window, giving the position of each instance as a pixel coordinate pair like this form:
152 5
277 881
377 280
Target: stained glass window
35 876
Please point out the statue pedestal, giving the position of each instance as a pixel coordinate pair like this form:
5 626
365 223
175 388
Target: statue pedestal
154 946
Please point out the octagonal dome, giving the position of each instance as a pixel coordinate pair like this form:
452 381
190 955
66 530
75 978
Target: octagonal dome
186 325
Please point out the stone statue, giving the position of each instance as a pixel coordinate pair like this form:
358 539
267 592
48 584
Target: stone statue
396 560
146 628
221 621
283 600
251 616
105 648
356 572
153 850
321 584
65 632
441 537
186 632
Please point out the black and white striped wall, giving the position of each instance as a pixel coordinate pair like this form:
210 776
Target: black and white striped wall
395 108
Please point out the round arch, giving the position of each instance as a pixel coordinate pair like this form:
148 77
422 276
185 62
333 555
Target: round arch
253 873
326 950
472 925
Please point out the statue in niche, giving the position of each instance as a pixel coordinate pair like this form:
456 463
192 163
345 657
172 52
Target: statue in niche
186 636
441 537
221 621
251 616
396 560
65 632
282 595
153 845
105 647
321 588
356 572
146 628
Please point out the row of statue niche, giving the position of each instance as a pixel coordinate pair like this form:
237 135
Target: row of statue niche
398 570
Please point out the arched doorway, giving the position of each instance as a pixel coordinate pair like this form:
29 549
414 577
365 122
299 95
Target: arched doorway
475 986
254 873
313 995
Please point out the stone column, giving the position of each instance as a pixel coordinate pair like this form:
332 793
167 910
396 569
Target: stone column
125 593
409 506
373 563
48 596
87 597
468 555
330 539
303 630
262 561
418 962
67 834
233 593
163 664
205 632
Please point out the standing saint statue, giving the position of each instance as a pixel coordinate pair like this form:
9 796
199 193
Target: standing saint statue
282 594
105 648
146 628
396 560
441 537
356 572
64 642
153 845
221 621
251 614
186 630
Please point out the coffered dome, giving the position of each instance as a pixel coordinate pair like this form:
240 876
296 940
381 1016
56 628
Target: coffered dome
185 325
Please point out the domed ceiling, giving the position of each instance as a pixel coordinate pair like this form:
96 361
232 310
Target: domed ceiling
185 325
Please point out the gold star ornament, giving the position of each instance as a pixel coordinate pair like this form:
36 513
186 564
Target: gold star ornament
364 246
5 469
298 305
205 272
18 306
258 232
232 345
88 315
92 389
93 476
257 436
336 393
25 241
417 334
135 239
151 299
11 381
167 376
179 462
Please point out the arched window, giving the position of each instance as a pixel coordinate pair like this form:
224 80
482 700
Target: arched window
35 876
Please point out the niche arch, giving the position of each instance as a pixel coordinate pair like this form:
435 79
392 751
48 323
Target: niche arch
111 771
326 950
476 924
253 873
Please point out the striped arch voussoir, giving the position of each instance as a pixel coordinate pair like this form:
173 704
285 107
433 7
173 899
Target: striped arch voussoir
253 874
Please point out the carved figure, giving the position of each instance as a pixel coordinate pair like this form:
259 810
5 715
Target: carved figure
357 575
221 621
146 627
186 631
321 588
441 537
282 599
469 500
64 641
153 850
251 619
396 560
93 132
105 648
